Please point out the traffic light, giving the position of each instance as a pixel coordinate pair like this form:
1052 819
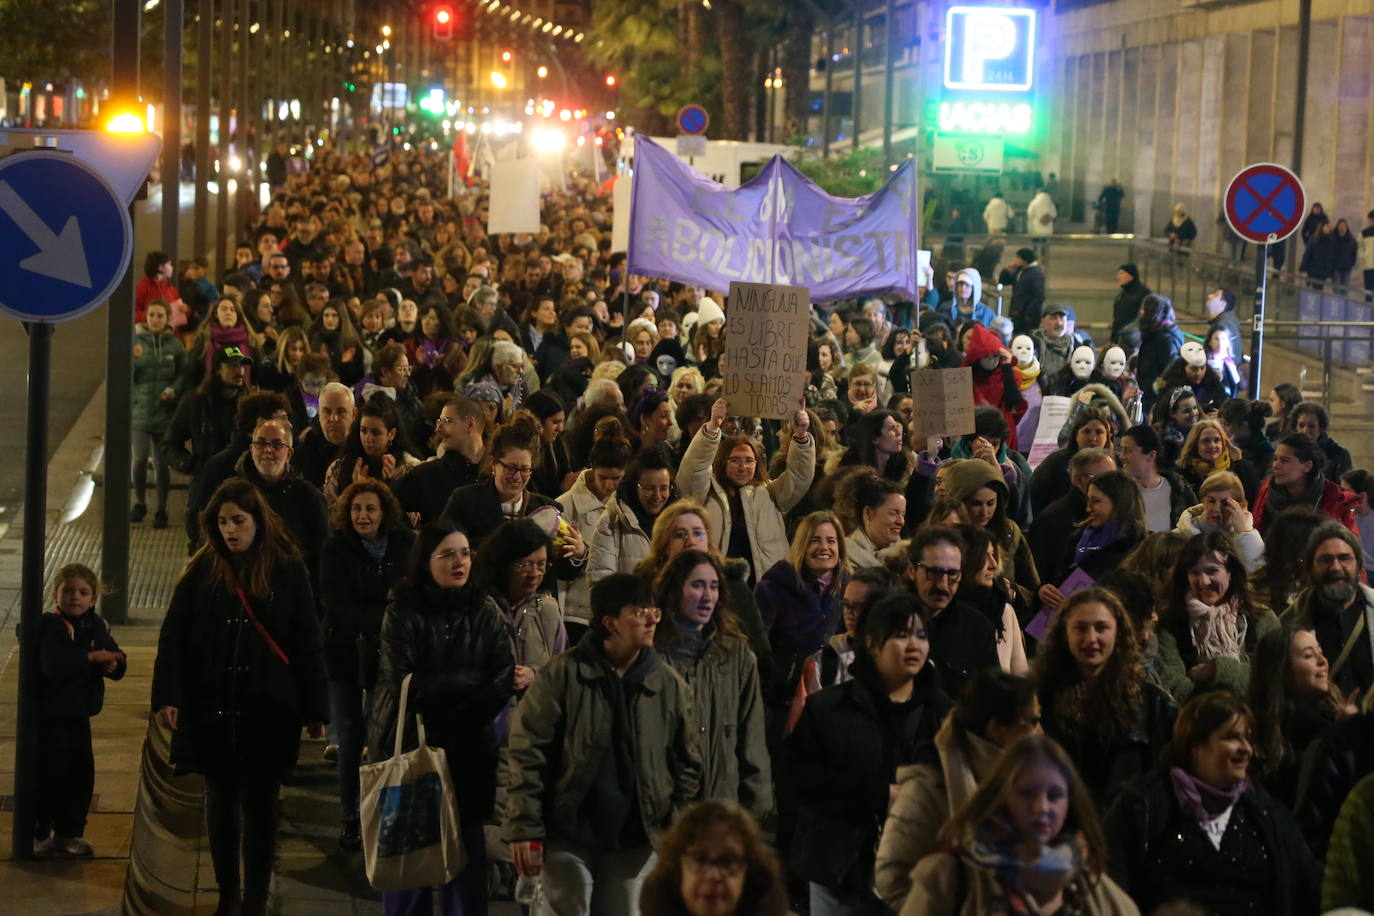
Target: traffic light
506 56
443 23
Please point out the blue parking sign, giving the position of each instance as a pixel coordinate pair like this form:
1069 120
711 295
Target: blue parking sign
65 237
990 48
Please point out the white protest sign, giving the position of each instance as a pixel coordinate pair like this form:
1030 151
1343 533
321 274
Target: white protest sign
764 366
1054 410
514 203
942 402
620 214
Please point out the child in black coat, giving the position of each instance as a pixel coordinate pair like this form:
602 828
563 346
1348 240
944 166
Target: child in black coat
76 653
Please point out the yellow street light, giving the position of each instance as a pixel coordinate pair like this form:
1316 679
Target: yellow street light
126 122
498 79
386 31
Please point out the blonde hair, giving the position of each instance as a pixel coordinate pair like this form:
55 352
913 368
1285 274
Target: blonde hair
667 520
689 372
608 369
1223 480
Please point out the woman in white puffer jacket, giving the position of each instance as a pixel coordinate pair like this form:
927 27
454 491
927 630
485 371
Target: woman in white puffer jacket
1223 508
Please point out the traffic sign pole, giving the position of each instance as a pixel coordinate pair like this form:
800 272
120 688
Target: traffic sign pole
31 588
1257 332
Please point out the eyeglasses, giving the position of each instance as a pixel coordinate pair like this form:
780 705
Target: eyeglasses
646 614
728 865
445 556
274 445
539 566
516 470
936 573
742 462
662 491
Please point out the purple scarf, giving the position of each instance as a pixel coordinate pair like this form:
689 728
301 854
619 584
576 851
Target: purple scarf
1094 539
1200 800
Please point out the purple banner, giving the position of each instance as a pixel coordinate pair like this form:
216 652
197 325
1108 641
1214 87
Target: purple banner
779 227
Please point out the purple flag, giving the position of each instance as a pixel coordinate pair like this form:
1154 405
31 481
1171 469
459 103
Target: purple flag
778 227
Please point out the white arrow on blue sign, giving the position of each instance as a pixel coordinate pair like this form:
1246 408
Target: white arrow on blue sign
65 237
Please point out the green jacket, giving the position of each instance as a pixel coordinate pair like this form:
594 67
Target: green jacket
563 727
1348 880
1232 674
159 364
735 765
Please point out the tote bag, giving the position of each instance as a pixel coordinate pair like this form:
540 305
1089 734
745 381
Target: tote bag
409 816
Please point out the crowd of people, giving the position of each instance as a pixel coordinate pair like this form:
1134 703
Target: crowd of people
682 661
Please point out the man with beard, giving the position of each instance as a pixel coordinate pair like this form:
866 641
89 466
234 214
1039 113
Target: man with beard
1337 606
962 641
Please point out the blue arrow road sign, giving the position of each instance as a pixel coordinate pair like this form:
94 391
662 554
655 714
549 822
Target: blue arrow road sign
65 238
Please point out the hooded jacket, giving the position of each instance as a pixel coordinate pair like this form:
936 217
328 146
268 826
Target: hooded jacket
962 480
618 543
927 794
724 679
159 366
981 313
565 725
998 387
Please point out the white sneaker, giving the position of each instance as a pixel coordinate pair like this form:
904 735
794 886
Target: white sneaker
44 848
77 846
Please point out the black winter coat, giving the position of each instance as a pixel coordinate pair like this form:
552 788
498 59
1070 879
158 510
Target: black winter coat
314 453
1107 764
1126 308
1158 348
1145 815
354 589
73 687
427 487
454 643
206 419
1028 297
240 706
842 758
962 643
477 510
300 505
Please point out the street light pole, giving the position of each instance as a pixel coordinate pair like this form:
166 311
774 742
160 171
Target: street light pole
171 125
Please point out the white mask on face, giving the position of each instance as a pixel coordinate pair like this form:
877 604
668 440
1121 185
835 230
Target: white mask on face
1081 363
1114 363
1023 348
922 355
1192 353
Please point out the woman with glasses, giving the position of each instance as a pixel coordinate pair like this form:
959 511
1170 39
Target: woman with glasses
512 565
1095 698
714 861
995 709
448 635
728 475
621 539
377 448
359 563
843 757
701 639
481 507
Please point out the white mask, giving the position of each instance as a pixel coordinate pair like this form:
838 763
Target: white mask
1114 363
1193 354
1081 363
1023 348
922 354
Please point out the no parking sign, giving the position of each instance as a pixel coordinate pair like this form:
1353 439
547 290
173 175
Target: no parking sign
1265 203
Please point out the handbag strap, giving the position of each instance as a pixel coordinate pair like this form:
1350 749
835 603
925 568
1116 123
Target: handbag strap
1355 632
257 624
401 718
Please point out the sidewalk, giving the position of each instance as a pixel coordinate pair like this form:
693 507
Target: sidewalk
173 874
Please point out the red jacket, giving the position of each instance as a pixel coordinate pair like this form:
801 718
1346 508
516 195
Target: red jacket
150 288
999 387
1335 503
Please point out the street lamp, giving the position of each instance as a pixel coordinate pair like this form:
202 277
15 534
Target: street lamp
386 31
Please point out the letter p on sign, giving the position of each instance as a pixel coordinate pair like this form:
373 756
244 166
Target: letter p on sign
989 48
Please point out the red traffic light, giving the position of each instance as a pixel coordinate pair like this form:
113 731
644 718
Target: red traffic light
443 23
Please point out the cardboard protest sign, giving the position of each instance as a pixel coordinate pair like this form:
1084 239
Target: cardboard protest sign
514 203
1054 410
764 366
942 402
620 213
